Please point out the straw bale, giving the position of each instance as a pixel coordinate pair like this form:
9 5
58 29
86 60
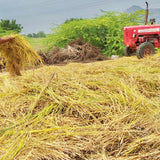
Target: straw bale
18 53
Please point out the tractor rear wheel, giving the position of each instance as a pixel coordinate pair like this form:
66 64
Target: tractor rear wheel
145 49
128 51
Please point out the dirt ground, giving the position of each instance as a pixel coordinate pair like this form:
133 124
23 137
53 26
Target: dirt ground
75 51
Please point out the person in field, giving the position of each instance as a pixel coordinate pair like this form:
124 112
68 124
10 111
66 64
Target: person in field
3 40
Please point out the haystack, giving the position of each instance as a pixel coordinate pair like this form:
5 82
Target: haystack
18 53
75 51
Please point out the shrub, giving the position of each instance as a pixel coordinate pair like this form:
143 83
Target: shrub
105 32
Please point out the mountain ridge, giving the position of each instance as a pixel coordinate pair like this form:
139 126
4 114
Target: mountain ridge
133 8
153 12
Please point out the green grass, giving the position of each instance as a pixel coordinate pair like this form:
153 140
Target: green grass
38 43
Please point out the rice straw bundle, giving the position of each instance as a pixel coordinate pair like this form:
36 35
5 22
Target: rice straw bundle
17 53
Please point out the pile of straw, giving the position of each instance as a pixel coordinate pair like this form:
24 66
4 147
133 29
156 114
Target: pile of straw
107 110
76 51
18 53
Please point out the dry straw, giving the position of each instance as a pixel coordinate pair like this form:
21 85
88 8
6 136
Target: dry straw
18 53
95 111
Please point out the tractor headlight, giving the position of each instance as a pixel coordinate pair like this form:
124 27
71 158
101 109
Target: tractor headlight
134 35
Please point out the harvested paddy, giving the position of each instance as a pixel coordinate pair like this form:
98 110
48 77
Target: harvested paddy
92 111
15 54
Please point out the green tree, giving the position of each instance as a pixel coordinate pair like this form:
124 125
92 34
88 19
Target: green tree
10 25
105 32
73 19
29 35
41 34
34 35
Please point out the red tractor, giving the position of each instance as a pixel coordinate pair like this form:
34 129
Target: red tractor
141 39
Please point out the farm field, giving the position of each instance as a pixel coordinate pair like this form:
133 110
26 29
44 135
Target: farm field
107 110
38 43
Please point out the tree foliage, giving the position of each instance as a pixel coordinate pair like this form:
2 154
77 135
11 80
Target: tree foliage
8 25
73 19
105 31
40 34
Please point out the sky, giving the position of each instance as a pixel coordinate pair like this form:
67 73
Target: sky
42 15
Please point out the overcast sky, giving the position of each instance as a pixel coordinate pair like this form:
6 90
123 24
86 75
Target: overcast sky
37 15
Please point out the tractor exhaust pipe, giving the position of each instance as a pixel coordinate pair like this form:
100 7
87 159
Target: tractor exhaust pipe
146 14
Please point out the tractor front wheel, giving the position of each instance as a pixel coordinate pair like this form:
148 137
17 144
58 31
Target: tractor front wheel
145 49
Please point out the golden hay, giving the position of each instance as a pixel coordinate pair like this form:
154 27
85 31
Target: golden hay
106 110
17 53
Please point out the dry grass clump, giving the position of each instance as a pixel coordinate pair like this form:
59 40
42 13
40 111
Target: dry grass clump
76 51
18 53
96 111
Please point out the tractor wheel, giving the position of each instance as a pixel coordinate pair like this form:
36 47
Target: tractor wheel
128 51
145 49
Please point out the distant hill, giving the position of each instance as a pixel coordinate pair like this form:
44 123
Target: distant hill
153 12
133 9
